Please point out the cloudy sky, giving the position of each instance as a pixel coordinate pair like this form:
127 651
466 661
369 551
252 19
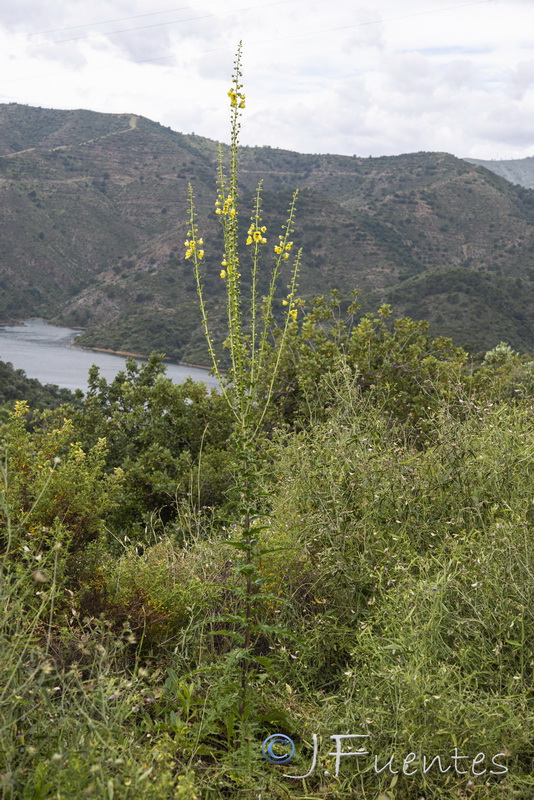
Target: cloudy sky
379 77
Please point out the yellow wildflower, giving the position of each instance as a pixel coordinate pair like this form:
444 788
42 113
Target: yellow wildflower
192 246
293 314
237 99
255 234
227 207
257 237
223 274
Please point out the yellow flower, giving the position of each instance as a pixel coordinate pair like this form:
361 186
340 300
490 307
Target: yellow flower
223 274
257 236
236 98
227 207
277 250
249 239
293 314
284 302
191 246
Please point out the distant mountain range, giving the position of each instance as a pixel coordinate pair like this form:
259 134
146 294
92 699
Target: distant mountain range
93 216
517 170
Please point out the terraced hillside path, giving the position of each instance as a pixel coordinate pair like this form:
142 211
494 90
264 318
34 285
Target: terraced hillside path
134 119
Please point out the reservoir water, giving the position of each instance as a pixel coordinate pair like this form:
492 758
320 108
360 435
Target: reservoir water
44 352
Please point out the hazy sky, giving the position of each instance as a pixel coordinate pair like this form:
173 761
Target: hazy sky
321 76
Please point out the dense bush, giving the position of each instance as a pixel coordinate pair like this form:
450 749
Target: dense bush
158 433
397 581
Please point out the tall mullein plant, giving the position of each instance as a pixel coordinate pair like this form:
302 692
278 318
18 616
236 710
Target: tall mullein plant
250 321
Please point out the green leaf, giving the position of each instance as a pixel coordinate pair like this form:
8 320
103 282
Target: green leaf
245 547
273 550
246 569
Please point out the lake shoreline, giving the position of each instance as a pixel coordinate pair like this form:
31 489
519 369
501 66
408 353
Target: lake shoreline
127 354
48 353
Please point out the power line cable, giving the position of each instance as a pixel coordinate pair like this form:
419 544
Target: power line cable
224 48
109 33
137 28
324 30
91 24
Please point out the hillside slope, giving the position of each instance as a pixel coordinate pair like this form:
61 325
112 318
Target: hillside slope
93 217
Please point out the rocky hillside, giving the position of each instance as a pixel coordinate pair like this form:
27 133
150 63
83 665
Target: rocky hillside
93 217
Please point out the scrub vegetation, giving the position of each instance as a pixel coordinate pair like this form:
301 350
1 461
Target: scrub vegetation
337 542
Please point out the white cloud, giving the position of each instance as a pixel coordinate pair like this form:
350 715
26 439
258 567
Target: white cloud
340 76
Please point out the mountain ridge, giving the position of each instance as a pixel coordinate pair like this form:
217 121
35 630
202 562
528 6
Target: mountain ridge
95 206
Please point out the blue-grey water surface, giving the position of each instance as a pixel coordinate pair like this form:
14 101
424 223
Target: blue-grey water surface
43 352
